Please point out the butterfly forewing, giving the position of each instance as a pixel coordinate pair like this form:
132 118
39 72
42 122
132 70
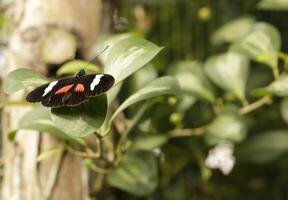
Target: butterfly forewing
96 84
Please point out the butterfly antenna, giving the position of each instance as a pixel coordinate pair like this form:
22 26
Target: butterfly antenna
97 56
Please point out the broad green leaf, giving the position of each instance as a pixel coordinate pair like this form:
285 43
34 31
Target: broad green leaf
22 78
261 44
127 55
161 86
148 143
233 30
284 109
142 77
273 5
50 152
279 87
136 174
75 66
264 147
229 71
226 128
113 92
81 120
192 80
39 119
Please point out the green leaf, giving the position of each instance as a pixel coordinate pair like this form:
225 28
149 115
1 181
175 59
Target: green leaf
279 87
22 78
81 120
226 128
229 71
127 55
136 174
264 147
233 30
148 143
273 5
261 44
75 66
261 92
50 152
284 109
161 86
39 119
192 80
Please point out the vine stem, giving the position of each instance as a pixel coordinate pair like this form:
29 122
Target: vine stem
85 154
255 105
187 132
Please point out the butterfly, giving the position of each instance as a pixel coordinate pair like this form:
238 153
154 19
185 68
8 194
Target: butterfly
71 91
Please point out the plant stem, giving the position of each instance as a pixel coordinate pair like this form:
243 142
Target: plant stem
15 103
124 136
187 132
276 73
87 154
255 105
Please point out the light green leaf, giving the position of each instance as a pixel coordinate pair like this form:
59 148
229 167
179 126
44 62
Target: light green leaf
149 142
233 30
127 55
161 86
279 87
136 174
75 66
273 5
229 71
192 80
22 78
226 128
50 152
81 120
39 119
261 44
264 147
261 92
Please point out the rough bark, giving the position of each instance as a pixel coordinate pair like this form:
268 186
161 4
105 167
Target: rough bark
62 176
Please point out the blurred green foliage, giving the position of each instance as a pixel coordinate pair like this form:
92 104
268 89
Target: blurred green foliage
230 60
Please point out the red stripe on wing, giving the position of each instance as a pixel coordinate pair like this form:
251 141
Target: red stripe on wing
64 89
79 88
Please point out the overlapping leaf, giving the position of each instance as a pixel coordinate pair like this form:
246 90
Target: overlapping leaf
229 71
22 78
127 54
81 120
261 44
136 174
233 30
264 147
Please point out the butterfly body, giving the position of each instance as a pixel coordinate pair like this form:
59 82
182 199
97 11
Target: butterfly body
71 91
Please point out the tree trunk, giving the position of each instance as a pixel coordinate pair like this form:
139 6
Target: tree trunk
32 22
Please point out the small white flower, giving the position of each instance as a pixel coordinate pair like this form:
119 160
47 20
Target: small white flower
221 157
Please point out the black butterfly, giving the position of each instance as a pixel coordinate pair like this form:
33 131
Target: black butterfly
71 91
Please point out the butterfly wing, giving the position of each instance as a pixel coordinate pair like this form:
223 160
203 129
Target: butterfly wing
96 84
51 94
60 94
